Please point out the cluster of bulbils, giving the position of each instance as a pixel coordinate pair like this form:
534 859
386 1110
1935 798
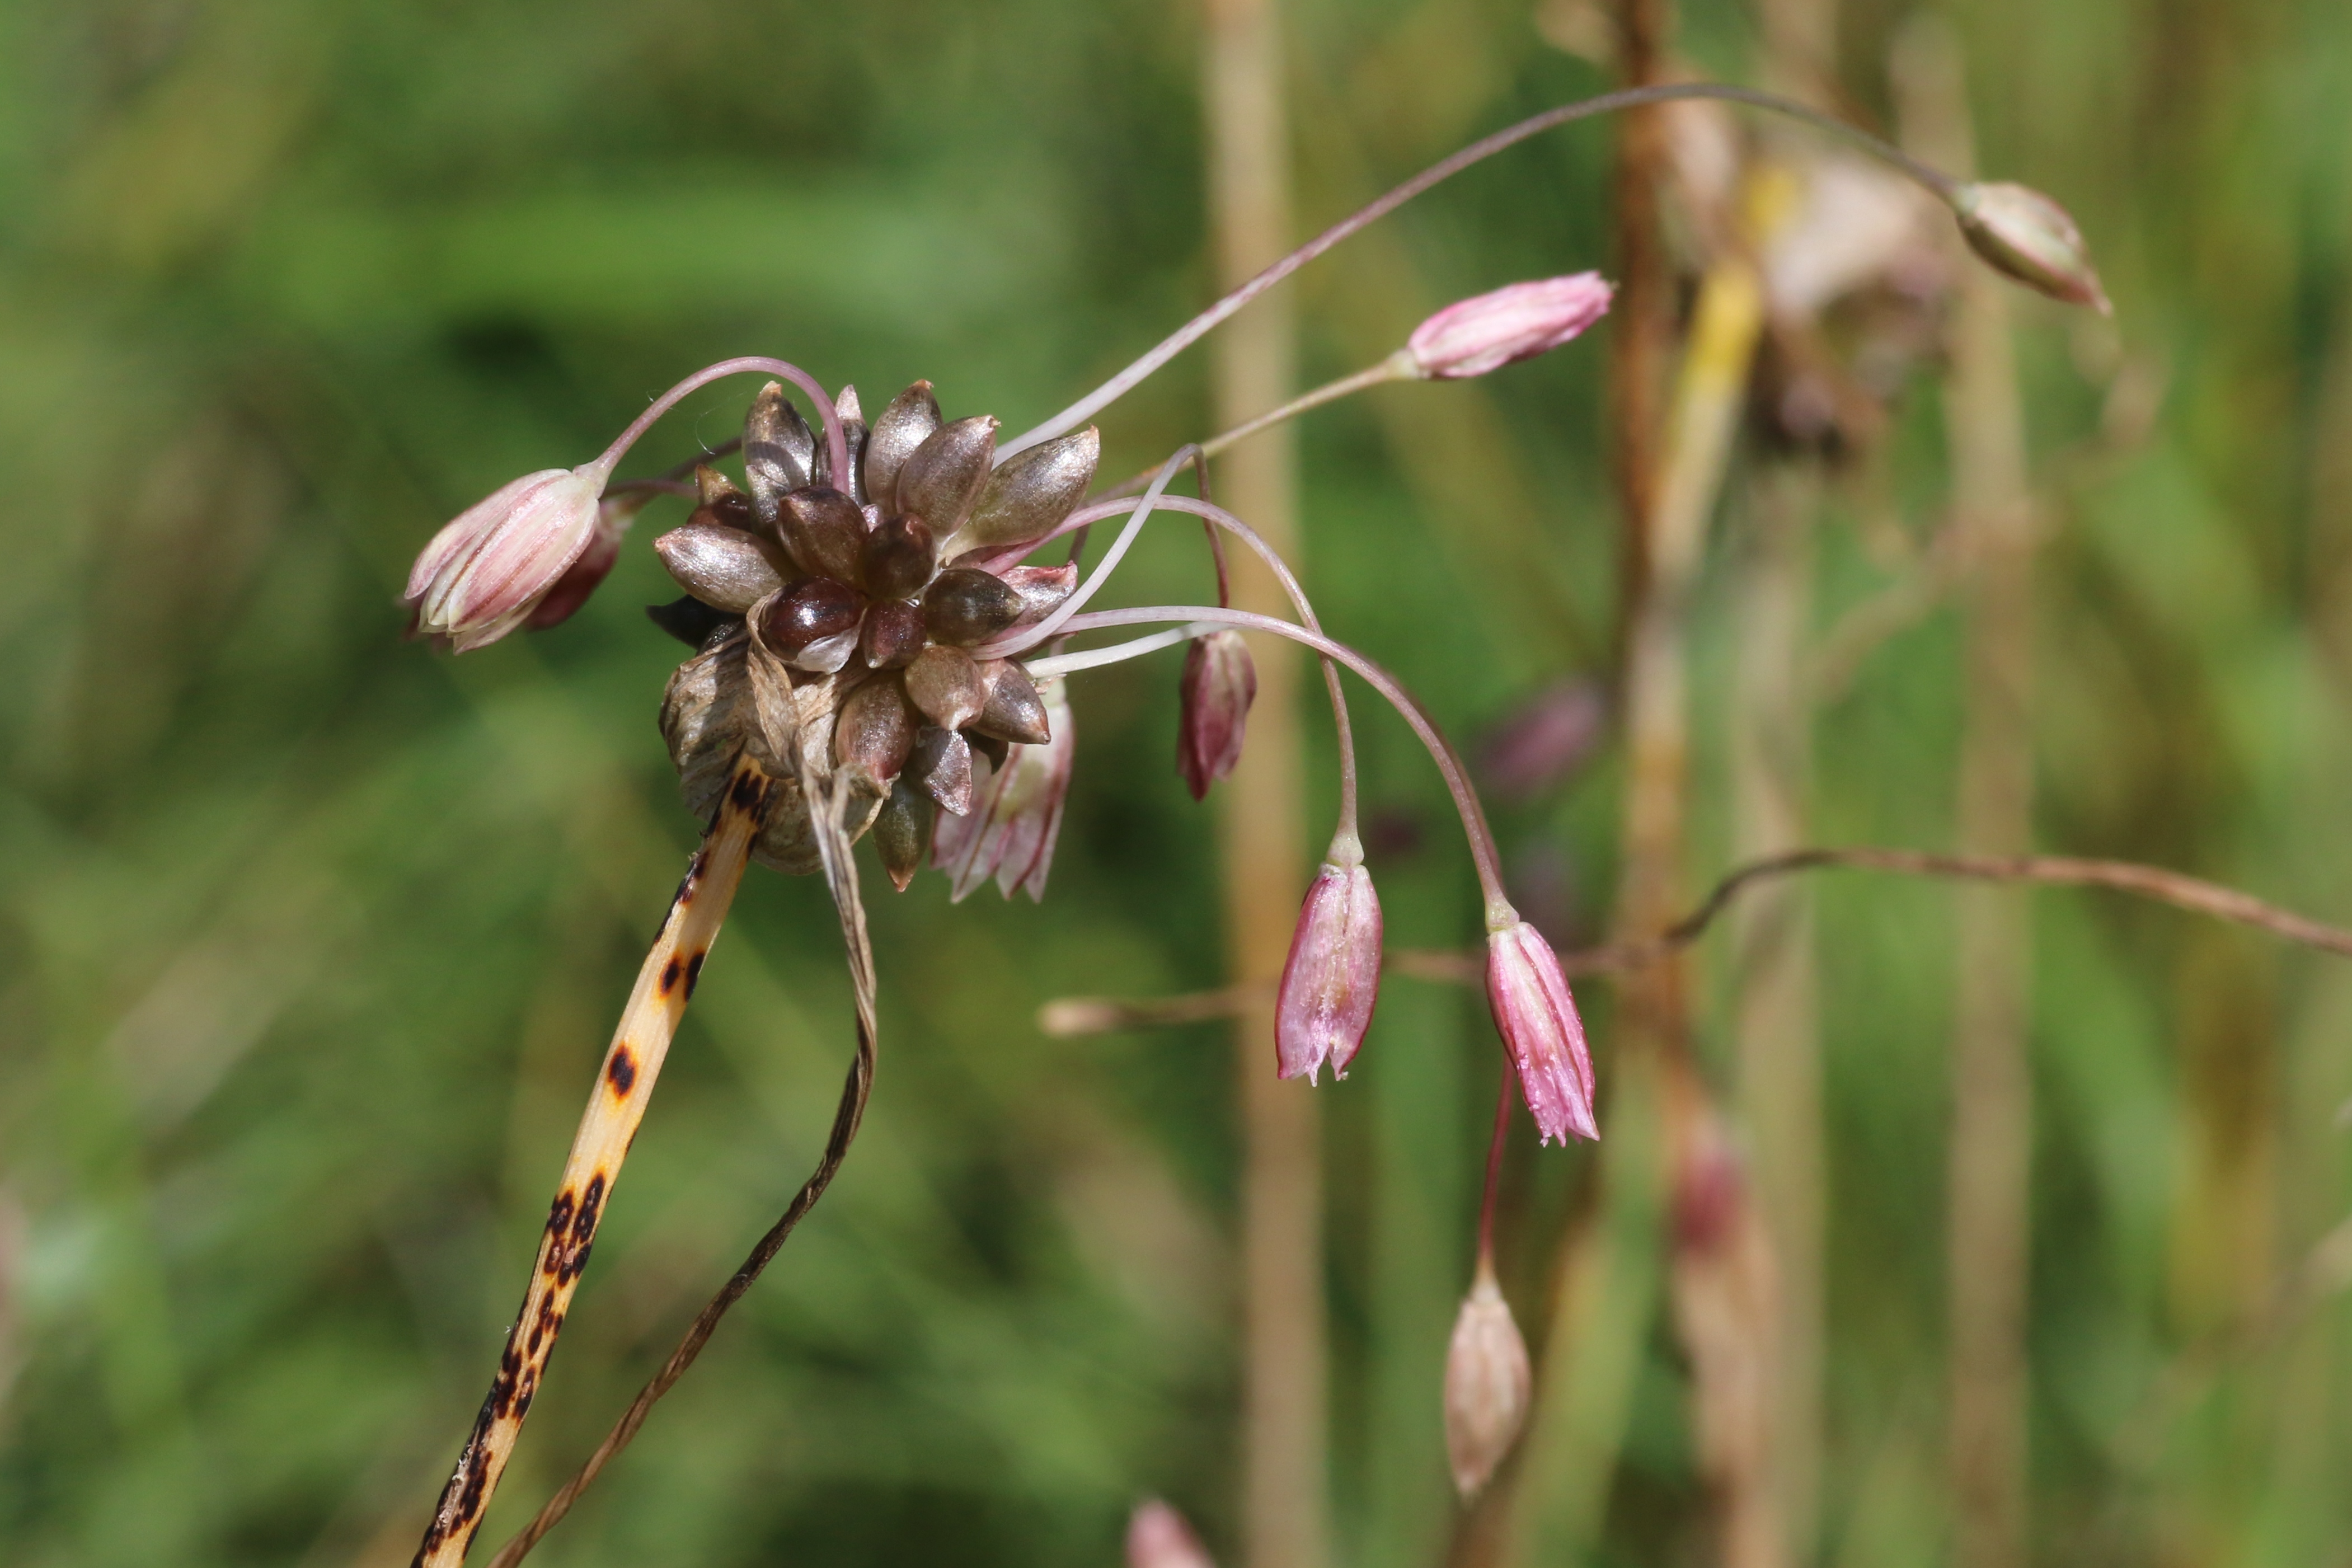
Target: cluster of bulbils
876 591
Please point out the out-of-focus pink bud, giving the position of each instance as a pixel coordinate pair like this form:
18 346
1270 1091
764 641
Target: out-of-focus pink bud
1333 975
613 516
2024 233
1488 1382
1016 813
1539 1022
1219 685
1516 322
487 571
1158 1537
1545 739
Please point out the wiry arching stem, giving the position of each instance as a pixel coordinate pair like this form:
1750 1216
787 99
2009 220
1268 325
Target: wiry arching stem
615 1106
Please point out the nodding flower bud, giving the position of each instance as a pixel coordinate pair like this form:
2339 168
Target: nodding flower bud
1487 1382
1218 687
1333 975
487 570
1158 1537
613 516
2024 233
1517 322
1537 1020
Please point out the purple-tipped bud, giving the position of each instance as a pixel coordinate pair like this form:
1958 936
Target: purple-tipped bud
488 567
1537 1020
2024 233
1158 1537
1219 685
1488 1382
1517 322
1333 975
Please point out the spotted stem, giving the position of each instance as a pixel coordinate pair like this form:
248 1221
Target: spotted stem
615 1106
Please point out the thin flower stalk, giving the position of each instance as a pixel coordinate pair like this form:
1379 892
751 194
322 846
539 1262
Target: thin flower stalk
615 1106
1943 185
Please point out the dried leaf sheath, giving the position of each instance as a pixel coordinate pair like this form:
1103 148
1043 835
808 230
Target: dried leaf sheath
615 1106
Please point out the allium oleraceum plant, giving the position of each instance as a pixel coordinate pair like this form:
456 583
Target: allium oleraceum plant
875 653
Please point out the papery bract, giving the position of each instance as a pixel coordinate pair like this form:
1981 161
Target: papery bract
1516 322
485 570
1333 974
1537 1020
1487 1385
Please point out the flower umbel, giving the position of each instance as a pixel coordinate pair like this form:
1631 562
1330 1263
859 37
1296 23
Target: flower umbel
1537 1019
1333 974
1517 322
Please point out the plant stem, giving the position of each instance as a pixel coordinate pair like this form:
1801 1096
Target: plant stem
1200 326
625 1083
1398 366
836 440
1499 913
1495 1148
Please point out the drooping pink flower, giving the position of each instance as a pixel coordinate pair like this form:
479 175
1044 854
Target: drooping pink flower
1016 813
488 569
1487 1385
1516 322
581 578
1537 1020
1158 1537
2024 233
1333 974
1220 682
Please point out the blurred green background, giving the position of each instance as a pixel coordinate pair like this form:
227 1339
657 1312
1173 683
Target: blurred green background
309 937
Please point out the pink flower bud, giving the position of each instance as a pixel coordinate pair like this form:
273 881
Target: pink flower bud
1333 974
1016 814
581 579
2024 233
486 571
1158 1537
1517 322
1539 1022
1219 685
1487 1384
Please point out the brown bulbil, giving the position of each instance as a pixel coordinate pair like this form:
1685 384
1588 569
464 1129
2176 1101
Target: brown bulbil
945 684
716 494
810 611
725 568
965 605
1042 589
943 477
899 557
942 766
1032 493
853 436
906 423
778 451
902 832
1013 709
826 532
893 635
875 734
